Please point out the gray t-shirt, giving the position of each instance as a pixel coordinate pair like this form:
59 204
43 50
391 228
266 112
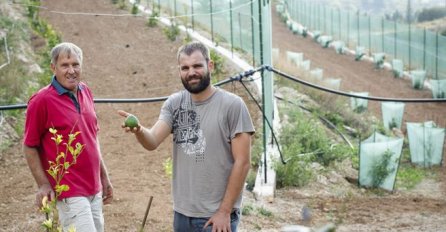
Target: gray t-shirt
202 157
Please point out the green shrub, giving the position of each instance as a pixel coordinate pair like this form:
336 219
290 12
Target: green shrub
381 170
152 21
431 14
171 32
134 10
247 209
218 62
265 212
295 173
409 176
257 150
251 179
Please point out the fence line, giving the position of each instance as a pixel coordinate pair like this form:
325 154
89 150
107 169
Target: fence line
417 48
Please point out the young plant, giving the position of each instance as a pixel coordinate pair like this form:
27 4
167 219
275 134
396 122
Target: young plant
134 9
152 21
381 169
57 170
168 167
172 31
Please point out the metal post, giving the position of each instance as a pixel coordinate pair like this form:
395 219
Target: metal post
348 28
436 56
331 19
263 91
252 35
424 49
175 9
240 30
232 33
357 25
339 25
370 35
382 35
212 21
192 14
396 57
325 20
410 52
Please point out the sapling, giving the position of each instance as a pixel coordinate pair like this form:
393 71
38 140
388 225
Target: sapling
57 170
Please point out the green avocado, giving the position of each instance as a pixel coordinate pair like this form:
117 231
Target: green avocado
131 121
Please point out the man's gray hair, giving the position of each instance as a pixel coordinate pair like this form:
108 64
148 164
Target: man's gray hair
193 46
67 49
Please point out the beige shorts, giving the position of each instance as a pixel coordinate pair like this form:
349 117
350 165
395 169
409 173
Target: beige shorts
84 213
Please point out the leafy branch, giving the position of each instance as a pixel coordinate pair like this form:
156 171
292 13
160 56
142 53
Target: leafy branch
57 170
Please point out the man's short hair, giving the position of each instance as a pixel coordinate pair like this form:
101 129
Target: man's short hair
193 46
67 49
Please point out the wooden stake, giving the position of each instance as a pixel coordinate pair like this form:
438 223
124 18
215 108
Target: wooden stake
146 214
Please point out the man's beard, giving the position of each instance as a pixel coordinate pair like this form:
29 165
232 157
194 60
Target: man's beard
205 81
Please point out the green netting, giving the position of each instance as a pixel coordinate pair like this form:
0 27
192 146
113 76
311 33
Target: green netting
378 59
325 40
379 157
397 68
294 57
339 46
317 74
425 143
418 77
332 83
305 65
392 113
438 88
359 105
359 53
416 47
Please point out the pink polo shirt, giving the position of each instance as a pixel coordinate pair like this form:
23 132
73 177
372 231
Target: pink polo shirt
51 107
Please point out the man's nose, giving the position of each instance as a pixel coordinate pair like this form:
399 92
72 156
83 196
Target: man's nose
192 72
71 69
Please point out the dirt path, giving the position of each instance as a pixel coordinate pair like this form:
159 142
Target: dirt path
123 58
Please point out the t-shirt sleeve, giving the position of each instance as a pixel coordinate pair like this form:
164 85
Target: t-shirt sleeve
166 112
239 118
35 122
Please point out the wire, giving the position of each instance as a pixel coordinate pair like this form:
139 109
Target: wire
243 75
268 122
132 15
411 100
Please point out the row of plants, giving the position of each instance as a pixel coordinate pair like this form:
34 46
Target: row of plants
17 80
305 140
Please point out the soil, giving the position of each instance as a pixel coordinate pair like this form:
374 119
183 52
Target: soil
123 58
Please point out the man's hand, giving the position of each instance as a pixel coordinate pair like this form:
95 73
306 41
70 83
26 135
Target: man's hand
45 190
128 129
220 221
107 193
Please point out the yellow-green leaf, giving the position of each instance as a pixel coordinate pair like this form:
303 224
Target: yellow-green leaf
53 131
48 224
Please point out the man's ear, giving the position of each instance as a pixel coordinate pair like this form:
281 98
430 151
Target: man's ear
211 66
53 68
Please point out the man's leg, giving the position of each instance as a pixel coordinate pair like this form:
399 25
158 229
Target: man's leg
96 210
76 211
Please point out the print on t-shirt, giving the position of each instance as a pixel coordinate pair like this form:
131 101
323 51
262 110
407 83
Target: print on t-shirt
187 133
